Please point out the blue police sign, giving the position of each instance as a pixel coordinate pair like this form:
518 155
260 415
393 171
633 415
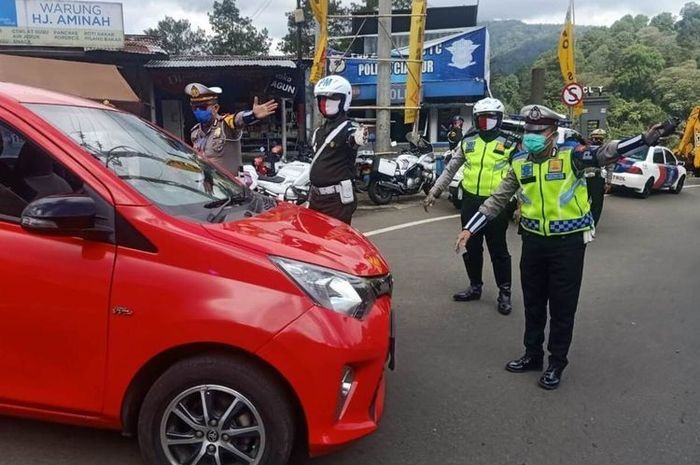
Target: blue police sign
453 66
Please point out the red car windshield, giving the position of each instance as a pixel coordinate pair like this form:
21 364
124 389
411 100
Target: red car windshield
163 169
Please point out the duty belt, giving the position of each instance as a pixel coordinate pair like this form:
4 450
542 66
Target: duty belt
328 190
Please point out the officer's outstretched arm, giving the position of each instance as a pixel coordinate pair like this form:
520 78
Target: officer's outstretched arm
448 174
495 204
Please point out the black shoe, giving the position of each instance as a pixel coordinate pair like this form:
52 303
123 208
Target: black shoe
473 293
551 378
525 363
504 305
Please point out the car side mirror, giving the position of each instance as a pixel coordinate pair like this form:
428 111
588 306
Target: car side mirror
65 215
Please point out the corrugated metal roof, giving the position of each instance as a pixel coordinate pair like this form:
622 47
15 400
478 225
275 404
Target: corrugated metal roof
213 61
138 44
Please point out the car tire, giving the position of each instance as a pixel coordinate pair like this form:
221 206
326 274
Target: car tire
646 192
254 409
679 186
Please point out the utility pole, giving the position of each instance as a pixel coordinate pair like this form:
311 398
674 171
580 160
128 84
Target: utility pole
301 73
384 77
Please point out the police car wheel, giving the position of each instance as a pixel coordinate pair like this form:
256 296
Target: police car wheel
679 186
646 192
216 408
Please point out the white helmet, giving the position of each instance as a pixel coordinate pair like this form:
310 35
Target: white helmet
334 85
489 105
488 114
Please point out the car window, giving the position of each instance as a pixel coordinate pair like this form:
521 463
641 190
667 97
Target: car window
670 159
659 156
28 173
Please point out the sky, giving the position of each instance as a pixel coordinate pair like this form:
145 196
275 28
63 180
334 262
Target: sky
141 14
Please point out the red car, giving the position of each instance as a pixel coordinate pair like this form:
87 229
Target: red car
144 290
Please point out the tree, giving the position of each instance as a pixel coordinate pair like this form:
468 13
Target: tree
235 34
336 28
637 68
676 89
627 118
177 37
664 22
507 90
689 26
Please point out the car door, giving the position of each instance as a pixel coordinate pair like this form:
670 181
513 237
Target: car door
54 291
671 169
659 168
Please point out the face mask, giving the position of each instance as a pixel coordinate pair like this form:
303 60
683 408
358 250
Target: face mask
486 123
534 143
203 116
328 107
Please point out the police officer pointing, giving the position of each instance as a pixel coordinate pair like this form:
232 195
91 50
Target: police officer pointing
484 156
556 222
335 145
218 137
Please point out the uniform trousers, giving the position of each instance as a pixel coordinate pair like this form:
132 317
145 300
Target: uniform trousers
596 191
495 234
331 205
551 270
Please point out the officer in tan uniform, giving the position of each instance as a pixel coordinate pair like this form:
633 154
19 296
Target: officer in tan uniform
218 137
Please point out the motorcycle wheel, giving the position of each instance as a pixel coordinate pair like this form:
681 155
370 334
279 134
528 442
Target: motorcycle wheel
378 194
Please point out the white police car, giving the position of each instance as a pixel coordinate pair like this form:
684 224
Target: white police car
653 169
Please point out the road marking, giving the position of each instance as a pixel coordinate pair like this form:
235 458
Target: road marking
376 232
694 186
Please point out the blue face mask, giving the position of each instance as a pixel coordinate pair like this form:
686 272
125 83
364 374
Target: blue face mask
203 116
534 143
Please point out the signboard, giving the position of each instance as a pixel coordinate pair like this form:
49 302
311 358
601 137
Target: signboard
454 66
283 85
572 94
61 24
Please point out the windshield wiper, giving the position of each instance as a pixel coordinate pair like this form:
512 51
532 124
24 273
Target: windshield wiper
218 216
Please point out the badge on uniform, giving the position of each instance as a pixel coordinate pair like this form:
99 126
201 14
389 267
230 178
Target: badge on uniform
526 170
555 171
332 144
217 132
471 144
500 149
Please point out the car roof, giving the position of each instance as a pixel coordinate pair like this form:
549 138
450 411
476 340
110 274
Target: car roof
26 94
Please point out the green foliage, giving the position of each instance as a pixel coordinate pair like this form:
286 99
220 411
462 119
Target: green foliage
178 38
235 34
649 67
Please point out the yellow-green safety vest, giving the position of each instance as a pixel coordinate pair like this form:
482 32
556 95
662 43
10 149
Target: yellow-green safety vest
485 165
554 201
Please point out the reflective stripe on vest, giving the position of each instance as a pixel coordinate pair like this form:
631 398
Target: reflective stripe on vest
555 200
485 166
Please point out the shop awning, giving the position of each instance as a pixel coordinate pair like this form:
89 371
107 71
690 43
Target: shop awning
87 80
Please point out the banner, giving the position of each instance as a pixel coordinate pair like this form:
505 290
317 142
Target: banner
320 9
567 54
455 66
61 23
415 53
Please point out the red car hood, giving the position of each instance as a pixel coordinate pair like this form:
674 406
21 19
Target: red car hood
301 234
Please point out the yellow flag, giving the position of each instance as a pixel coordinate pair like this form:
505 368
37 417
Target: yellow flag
567 55
415 55
318 69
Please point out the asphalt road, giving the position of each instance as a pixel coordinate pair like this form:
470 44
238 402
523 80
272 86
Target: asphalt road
630 395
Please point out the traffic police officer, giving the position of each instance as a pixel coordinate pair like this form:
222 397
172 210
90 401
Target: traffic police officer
597 185
218 137
335 145
455 135
485 156
556 223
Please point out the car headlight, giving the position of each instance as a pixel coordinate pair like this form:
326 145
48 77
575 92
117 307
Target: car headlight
342 293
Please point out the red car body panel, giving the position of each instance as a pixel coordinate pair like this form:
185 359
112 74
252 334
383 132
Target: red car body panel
69 353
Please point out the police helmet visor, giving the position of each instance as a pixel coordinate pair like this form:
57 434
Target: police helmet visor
488 121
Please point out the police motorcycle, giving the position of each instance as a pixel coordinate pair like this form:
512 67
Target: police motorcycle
363 169
295 175
407 174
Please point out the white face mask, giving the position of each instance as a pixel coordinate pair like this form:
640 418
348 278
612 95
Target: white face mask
486 123
329 107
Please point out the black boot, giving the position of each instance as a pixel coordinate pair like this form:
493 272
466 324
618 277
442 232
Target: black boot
472 293
551 378
525 363
504 305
